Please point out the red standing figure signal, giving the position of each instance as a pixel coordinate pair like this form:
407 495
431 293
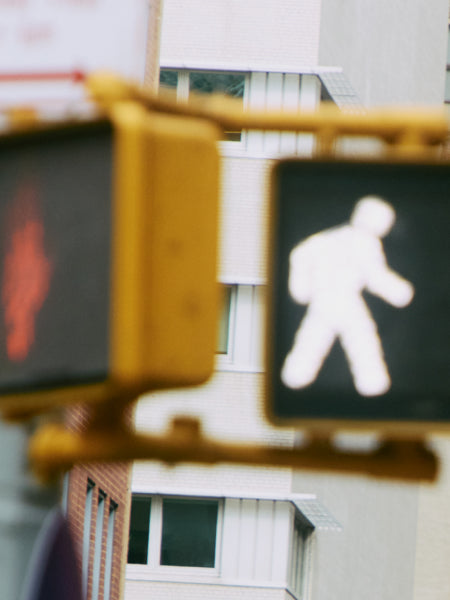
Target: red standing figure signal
27 272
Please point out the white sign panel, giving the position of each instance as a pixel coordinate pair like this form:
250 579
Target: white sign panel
45 44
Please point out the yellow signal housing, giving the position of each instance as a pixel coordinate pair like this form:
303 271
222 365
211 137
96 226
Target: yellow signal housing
163 294
164 313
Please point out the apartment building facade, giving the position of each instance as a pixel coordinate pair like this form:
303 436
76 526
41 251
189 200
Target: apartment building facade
224 531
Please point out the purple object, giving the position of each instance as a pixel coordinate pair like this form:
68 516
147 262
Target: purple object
53 572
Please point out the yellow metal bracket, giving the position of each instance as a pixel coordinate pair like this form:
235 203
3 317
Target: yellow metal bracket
409 134
54 449
407 131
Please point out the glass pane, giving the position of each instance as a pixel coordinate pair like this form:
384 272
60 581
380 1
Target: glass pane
230 84
139 530
224 320
189 533
168 78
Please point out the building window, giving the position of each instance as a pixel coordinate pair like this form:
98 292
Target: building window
139 530
241 328
87 534
109 549
189 533
228 300
300 557
230 84
447 75
65 493
98 549
168 79
207 82
175 532
96 570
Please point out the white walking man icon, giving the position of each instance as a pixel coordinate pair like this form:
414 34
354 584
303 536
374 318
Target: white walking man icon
328 272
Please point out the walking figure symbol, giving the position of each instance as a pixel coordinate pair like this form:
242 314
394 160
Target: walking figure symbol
328 271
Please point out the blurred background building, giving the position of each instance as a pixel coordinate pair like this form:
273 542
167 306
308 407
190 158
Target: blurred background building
225 531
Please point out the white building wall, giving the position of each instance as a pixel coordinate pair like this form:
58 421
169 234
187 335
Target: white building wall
231 409
246 171
245 34
244 211
280 90
137 590
255 542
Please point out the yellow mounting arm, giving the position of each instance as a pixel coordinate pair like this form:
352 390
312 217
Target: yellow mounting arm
410 133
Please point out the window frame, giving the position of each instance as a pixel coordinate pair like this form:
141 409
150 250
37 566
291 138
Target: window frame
153 565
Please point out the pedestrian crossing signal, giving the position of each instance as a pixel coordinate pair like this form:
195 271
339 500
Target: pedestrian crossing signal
328 272
359 301
108 234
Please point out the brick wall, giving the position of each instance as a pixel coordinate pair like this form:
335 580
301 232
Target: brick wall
113 482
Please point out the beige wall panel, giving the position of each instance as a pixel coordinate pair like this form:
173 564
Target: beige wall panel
391 52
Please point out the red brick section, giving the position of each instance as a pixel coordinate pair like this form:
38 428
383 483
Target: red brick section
113 480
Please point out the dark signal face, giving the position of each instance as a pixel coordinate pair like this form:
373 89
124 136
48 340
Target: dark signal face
55 238
361 293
